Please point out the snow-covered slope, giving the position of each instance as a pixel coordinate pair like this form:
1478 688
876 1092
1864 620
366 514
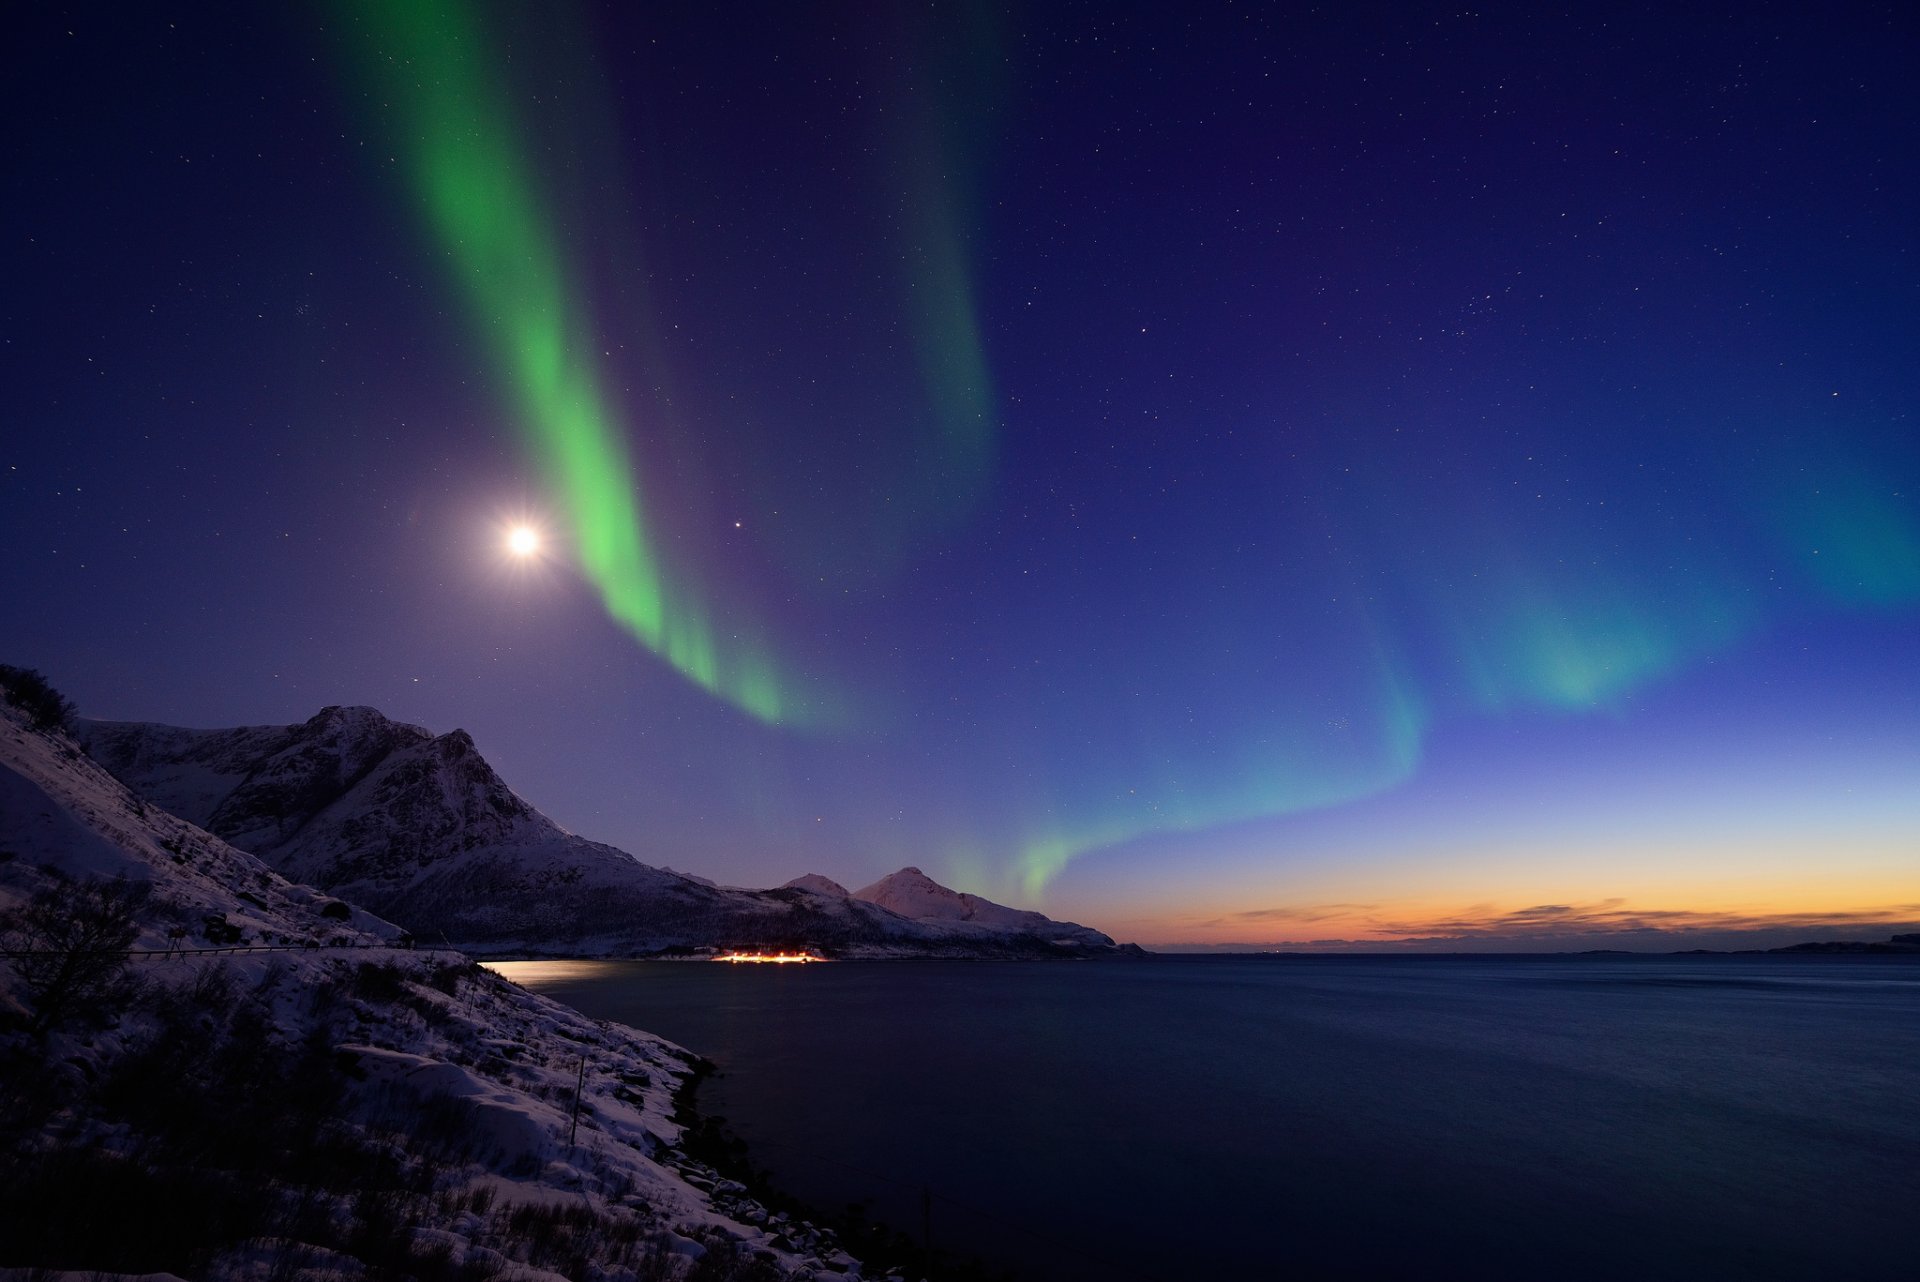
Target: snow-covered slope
819 885
349 1110
62 815
913 894
420 829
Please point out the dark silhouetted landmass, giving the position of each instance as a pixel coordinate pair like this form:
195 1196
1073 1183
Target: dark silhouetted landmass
1897 944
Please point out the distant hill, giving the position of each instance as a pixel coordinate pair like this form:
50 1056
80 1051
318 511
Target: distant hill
912 893
1897 944
419 828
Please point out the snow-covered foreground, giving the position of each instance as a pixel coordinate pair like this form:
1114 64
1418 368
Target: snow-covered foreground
327 1104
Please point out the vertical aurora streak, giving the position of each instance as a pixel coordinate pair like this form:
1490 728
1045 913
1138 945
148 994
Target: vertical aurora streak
939 145
953 365
478 198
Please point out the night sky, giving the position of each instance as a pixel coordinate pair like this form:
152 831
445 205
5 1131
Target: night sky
1221 473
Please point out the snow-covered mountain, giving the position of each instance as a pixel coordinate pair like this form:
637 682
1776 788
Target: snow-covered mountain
912 893
420 829
818 885
286 1089
61 815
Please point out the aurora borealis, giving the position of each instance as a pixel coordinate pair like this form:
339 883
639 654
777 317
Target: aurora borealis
1237 476
486 216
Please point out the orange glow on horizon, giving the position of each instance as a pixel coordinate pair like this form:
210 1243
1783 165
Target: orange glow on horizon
1864 908
1769 888
774 958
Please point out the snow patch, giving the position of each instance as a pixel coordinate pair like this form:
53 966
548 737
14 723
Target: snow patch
819 885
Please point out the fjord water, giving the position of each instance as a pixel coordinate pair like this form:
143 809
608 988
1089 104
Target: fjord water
1354 1117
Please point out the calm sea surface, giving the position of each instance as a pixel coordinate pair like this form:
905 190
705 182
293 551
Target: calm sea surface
1583 1117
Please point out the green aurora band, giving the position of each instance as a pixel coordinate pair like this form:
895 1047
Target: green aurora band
1284 782
1558 625
1550 630
940 143
479 202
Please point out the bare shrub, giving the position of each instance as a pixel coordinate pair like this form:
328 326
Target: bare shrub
69 945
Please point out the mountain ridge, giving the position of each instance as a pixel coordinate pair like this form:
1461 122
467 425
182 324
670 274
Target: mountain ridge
420 828
912 893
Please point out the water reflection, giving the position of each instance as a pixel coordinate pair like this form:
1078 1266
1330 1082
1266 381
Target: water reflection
545 974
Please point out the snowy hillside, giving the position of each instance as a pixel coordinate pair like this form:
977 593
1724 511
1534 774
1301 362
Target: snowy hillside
420 829
912 893
315 1101
819 885
60 811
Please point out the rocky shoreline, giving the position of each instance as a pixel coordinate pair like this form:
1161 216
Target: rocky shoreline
238 1106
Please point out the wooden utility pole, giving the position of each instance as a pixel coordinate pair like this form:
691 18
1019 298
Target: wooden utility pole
577 1087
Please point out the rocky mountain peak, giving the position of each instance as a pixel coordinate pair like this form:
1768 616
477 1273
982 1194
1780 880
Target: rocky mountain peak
357 723
912 893
819 885
455 744
346 713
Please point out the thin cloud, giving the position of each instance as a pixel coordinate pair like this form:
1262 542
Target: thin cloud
1601 923
1613 916
1317 912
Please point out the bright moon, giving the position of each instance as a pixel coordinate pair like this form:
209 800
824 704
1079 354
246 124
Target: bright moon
523 540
